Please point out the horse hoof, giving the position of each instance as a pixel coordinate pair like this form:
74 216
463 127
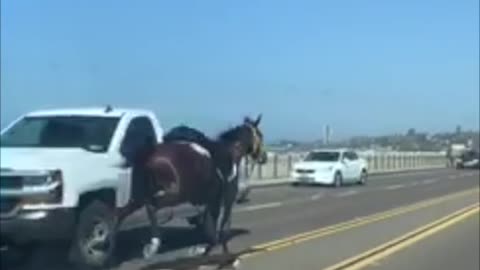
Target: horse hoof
197 250
150 249
236 264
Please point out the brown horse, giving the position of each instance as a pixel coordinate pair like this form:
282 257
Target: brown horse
202 173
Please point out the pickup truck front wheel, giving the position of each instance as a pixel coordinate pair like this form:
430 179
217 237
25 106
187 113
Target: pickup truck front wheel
94 241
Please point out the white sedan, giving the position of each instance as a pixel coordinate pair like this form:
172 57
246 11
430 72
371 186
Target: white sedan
331 167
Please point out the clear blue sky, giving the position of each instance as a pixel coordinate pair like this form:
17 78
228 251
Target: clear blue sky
364 67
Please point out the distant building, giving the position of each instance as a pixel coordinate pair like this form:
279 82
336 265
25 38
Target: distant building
327 135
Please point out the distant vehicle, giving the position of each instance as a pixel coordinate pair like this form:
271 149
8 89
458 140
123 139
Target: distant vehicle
334 167
469 159
455 151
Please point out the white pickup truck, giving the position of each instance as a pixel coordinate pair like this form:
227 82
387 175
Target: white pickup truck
61 176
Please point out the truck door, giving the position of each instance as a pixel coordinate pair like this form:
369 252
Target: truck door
139 133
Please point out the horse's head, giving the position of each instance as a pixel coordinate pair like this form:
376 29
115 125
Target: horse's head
254 142
246 140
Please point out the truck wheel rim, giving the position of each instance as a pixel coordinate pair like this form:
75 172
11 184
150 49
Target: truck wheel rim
97 242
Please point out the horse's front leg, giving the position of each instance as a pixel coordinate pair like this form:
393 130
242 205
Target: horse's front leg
210 228
225 225
155 243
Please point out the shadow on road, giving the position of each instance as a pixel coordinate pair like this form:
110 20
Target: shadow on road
130 243
129 248
219 261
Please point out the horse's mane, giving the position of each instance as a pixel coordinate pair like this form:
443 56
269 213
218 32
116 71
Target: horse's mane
185 133
231 134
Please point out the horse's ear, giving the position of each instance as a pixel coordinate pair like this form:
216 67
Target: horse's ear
247 120
257 122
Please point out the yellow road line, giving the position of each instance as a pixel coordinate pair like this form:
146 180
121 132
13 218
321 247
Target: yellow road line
322 232
373 255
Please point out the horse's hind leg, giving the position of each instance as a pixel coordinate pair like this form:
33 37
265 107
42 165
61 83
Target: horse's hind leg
226 221
151 248
211 217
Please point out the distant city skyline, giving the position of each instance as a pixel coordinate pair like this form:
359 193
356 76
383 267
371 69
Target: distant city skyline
364 68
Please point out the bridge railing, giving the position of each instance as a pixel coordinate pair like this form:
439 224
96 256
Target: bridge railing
280 165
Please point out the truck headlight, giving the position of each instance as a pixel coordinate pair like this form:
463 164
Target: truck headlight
53 192
36 180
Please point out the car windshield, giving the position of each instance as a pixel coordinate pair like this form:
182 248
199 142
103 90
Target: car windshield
322 156
90 133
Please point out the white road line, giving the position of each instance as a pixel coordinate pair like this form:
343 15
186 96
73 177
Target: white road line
451 177
347 193
317 196
429 181
413 184
404 174
394 187
259 207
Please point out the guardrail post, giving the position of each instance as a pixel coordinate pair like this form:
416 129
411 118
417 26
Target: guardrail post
289 163
275 166
374 163
259 171
384 163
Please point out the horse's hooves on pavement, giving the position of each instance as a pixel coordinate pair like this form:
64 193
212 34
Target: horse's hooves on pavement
150 249
236 264
197 250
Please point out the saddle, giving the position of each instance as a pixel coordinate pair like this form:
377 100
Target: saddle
184 133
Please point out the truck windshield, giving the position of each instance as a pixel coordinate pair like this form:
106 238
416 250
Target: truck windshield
322 156
88 132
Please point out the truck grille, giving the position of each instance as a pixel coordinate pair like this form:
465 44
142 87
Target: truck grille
11 182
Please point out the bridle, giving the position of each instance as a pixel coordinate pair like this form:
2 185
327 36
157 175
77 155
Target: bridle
256 147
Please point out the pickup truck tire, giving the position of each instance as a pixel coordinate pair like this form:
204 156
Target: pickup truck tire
94 242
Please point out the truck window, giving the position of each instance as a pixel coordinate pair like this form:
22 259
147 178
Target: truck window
139 133
88 132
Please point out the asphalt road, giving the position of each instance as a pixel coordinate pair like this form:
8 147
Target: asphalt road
277 212
456 248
